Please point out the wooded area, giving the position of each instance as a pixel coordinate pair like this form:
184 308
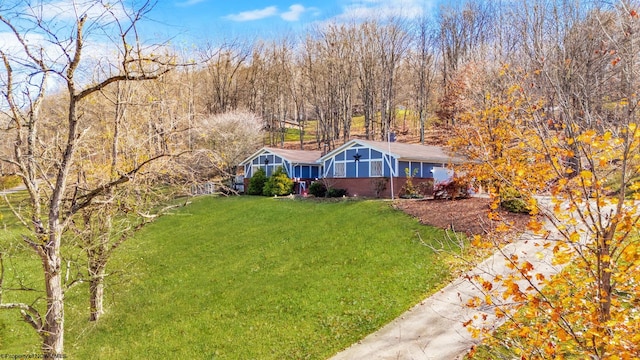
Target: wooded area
543 94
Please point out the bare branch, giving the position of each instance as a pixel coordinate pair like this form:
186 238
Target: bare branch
87 199
97 87
29 314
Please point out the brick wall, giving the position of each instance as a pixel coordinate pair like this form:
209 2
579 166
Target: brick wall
366 187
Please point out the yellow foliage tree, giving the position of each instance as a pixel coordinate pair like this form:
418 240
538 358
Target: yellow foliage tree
582 184
499 139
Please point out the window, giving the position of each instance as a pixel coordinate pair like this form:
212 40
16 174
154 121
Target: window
340 170
376 168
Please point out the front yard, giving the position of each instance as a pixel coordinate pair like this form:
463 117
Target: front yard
252 278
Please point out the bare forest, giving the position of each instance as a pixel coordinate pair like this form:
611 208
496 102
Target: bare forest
97 137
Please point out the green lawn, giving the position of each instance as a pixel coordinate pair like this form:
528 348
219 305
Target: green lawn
293 135
250 278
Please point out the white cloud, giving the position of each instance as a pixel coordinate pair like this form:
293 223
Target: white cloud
294 13
368 9
26 80
10 44
189 3
254 14
72 10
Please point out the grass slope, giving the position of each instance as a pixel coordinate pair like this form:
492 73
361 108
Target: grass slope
256 278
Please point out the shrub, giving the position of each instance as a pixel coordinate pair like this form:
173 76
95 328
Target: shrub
455 189
333 192
256 183
409 190
278 183
513 201
425 188
379 185
318 189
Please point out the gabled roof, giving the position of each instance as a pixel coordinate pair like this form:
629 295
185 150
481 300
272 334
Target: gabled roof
404 152
306 157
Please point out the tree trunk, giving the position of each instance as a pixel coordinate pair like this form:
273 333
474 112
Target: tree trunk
53 331
98 257
96 293
605 285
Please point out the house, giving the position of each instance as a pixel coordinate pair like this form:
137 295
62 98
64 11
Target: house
376 168
362 167
301 165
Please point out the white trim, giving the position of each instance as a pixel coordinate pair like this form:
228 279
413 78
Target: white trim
326 169
250 159
344 169
381 168
287 166
392 169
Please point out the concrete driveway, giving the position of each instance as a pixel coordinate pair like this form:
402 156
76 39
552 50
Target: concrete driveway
434 329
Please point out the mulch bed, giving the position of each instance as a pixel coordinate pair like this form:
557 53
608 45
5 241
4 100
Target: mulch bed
461 215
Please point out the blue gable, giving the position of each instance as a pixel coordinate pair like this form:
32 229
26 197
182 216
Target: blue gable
359 161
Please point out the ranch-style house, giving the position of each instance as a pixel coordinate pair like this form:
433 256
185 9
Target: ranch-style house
362 167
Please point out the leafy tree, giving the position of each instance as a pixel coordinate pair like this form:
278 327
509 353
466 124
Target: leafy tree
498 138
588 228
587 309
257 182
278 183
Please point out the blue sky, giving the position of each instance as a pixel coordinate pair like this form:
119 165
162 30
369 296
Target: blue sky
202 20
186 24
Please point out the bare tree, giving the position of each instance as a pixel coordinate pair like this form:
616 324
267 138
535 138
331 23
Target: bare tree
48 162
393 41
271 76
462 32
573 51
338 41
297 89
319 75
222 73
116 141
330 65
422 66
368 74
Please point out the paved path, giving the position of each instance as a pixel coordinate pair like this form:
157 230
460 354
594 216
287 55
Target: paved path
12 190
433 329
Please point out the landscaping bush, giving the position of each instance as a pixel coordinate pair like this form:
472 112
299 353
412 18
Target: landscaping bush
409 191
278 184
379 185
425 188
257 182
454 189
318 189
333 192
513 201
